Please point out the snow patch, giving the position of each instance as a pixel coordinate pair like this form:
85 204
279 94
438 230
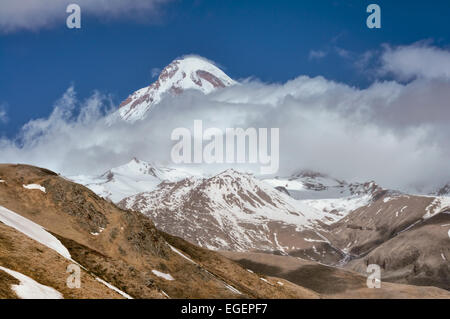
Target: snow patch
310 240
162 275
232 289
31 289
120 292
32 230
181 254
164 293
99 232
35 186
266 281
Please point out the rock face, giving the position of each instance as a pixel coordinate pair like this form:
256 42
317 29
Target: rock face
182 74
230 210
237 211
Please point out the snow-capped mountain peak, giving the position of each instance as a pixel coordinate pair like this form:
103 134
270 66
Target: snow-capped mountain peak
191 72
131 178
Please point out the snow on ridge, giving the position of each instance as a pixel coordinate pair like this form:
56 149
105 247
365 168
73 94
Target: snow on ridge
31 289
162 275
288 184
343 206
120 292
33 231
130 179
165 294
35 186
436 206
235 183
181 254
232 289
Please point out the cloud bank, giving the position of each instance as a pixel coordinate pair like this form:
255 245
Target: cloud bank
397 134
33 15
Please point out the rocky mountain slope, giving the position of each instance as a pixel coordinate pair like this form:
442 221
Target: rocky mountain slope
230 210
120 252
48 223
330 282
410 240
406 235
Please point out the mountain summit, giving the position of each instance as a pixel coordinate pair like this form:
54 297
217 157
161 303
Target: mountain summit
191 72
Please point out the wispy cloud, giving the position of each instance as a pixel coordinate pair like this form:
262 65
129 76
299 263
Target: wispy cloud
343 53
317 54
37 14
3 114
320 54
155 72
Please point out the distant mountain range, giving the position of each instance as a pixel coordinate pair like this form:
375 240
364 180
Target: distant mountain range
307 215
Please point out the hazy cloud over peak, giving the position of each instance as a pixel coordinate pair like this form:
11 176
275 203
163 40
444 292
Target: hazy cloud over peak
394 133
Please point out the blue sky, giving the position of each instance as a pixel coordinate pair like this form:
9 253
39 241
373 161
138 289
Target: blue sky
269 40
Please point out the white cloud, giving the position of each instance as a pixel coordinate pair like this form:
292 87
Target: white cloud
415 61
36 14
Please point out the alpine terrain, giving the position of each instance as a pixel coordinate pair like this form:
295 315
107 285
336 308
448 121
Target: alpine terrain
146 230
